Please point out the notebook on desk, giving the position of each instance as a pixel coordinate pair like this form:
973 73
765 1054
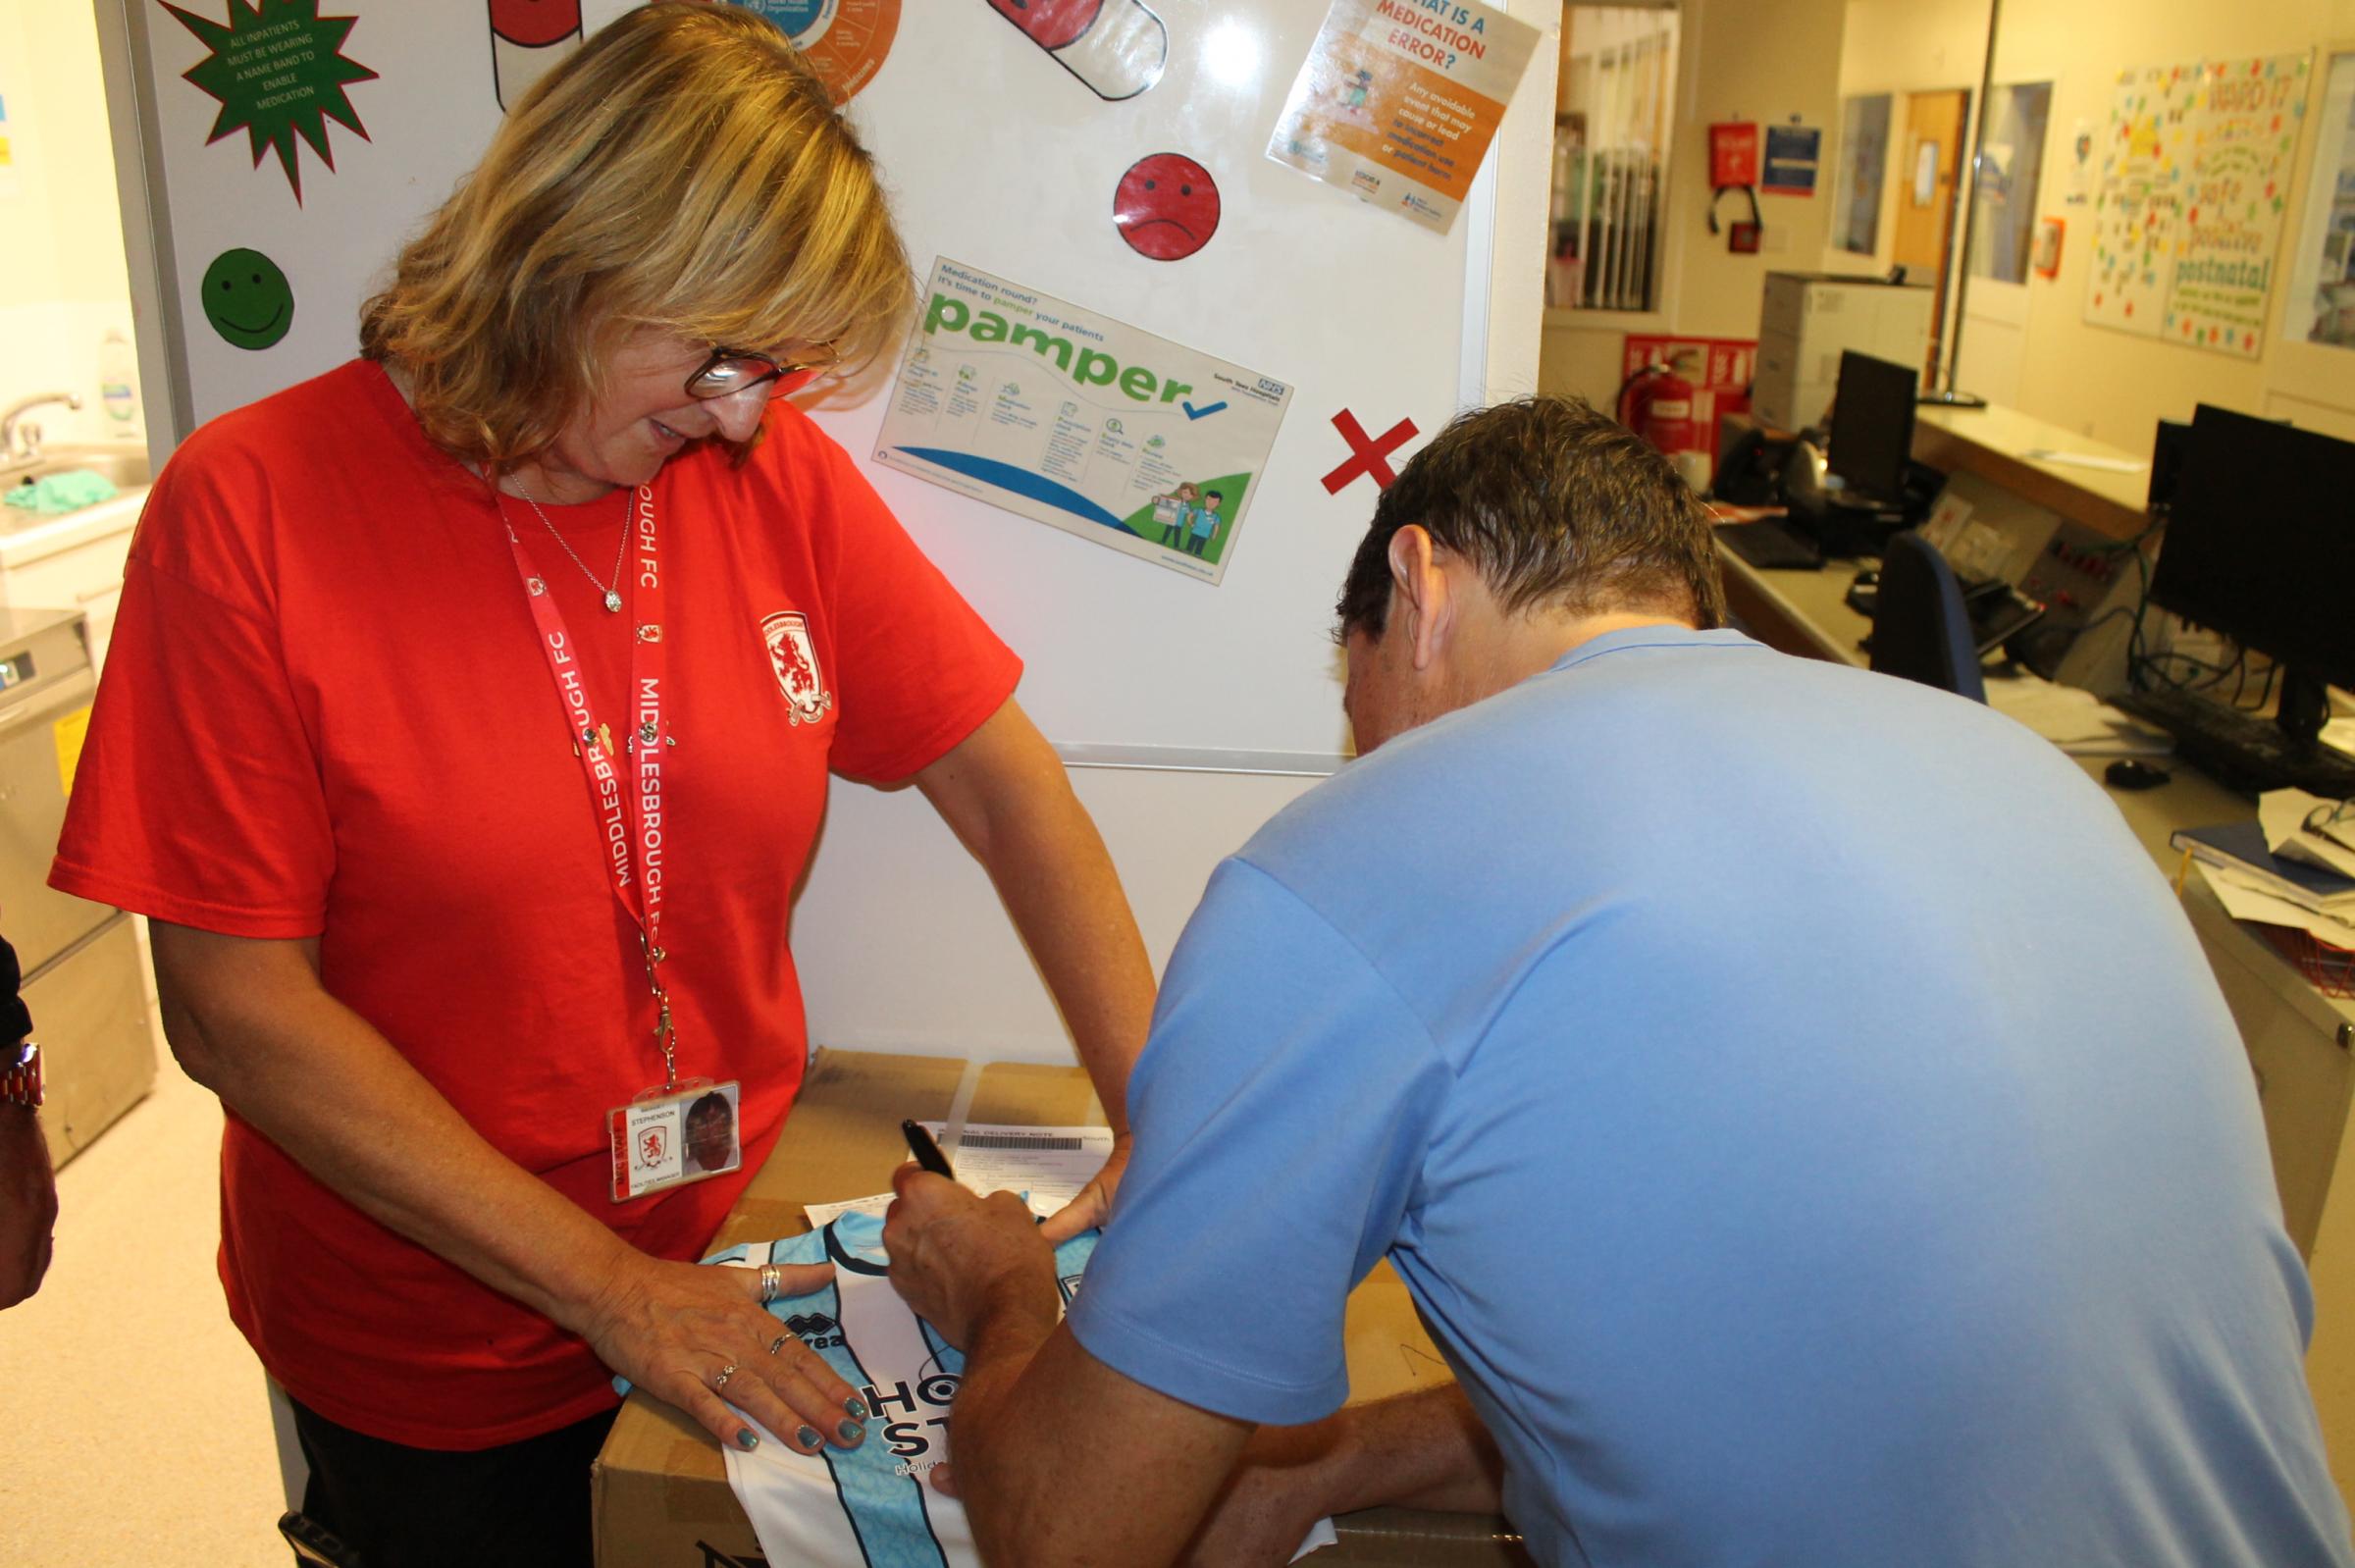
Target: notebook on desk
2240 847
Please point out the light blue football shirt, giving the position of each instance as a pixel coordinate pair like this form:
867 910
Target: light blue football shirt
1795 1103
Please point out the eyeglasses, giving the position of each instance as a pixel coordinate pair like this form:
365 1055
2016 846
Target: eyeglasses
729 371
2334 820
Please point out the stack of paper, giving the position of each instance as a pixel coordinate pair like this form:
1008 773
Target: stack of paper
2253 883
2077 721
1047 1165
2299 827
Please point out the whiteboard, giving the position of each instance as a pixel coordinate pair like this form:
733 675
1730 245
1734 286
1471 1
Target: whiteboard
998 156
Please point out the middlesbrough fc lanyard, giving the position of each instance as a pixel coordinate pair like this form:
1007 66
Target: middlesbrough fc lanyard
634 860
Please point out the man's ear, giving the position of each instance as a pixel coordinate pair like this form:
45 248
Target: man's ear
1420 590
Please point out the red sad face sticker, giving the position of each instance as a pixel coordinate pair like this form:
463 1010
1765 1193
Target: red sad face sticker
1051 23
1167 207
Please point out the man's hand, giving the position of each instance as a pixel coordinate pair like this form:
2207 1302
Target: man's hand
672 1328
962 1261
27 1204
1093 1206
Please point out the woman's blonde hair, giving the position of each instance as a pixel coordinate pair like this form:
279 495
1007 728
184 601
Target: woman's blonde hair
683 172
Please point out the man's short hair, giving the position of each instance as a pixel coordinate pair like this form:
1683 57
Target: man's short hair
1555 505
710 1106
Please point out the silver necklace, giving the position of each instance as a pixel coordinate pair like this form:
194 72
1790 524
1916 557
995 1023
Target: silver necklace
612 591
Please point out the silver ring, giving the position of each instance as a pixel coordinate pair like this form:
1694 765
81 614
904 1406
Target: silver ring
778 1343
772 1282
719 1379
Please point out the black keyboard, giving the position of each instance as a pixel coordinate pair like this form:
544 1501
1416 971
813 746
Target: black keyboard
2240 751
1767 544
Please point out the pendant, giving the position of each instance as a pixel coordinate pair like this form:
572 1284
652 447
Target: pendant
614 599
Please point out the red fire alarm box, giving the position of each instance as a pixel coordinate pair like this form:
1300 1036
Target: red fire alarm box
1733 154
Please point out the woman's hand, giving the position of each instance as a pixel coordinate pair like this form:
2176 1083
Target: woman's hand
699 1337
1093 1205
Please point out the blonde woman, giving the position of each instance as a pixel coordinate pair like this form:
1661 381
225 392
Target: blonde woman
466 729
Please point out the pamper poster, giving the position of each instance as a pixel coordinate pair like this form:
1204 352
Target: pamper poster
2194 185
1052 411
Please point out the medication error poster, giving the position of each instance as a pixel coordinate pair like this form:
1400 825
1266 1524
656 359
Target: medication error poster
1399 99
1047 409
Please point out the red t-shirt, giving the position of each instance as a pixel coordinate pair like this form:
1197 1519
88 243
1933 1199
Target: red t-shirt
326 712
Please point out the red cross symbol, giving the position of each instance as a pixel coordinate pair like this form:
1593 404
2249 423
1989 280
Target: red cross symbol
1367 457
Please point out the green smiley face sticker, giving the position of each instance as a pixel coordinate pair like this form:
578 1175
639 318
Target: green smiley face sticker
248 299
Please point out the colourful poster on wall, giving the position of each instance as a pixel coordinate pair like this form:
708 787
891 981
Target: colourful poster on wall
8 155
1399 101
2187 222
1098 428
846 40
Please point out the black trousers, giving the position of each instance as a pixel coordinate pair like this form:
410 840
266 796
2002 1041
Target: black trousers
521 1505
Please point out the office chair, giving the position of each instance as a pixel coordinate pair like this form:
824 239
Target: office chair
1919 627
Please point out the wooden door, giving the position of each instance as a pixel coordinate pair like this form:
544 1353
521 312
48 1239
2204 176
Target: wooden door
1928 179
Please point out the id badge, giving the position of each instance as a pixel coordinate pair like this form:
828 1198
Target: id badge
667 1137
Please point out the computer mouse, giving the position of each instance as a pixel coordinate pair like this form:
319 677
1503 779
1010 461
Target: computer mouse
2133 773
1867 578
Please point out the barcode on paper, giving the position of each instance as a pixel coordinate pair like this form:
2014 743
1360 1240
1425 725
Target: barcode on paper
1019 1141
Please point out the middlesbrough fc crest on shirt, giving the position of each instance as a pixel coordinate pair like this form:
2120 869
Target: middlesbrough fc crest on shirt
794 657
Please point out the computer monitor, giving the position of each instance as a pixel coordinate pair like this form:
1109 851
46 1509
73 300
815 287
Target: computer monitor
2167 464
1873 429
2259 546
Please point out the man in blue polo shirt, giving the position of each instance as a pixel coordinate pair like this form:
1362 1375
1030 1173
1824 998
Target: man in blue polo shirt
1797 1105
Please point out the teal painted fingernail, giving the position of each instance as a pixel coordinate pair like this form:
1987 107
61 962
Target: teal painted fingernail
856 1406
747 1439
807 1436
850 1432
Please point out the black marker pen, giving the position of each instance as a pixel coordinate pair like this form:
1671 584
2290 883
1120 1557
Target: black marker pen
926 1153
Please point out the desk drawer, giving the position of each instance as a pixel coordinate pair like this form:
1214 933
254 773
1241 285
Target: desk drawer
2305 1078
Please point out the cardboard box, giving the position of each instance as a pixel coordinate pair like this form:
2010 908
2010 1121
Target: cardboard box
661 1495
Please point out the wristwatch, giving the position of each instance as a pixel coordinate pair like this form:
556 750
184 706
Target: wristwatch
21 1074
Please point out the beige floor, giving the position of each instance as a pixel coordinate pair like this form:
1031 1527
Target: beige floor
137 1428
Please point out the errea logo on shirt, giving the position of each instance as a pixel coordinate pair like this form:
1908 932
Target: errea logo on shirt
817 1330
793 659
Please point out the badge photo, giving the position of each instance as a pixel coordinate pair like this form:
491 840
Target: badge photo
671 1136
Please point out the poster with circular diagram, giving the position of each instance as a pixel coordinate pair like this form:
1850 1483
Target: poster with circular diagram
844 39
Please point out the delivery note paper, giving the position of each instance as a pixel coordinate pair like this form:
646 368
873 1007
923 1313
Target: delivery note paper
1399 100
1047 409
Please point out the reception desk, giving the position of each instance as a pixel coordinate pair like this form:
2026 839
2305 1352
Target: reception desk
2300 1042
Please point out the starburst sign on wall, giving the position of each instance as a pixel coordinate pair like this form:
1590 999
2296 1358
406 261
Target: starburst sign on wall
277 70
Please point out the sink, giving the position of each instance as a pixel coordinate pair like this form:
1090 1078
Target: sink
27 535
122 462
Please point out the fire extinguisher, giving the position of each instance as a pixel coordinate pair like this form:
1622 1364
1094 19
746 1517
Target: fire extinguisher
1657 403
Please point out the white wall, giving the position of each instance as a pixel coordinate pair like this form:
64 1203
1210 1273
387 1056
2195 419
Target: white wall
62 279
898 937
901 944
